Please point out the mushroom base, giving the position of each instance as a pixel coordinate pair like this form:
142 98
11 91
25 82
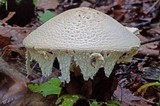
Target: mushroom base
100 87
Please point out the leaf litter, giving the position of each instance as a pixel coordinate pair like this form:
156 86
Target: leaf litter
143 69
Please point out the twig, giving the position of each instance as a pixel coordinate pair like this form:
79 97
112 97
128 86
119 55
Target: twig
10 15
150 41
150 9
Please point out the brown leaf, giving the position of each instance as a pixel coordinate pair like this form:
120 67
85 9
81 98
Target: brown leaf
156 28
149 49
146 51
4 41
16 91
151 73
11 41
12 83
12 72
15 34
118 14
85 4
128 98
104 9
13 52
35 99
48 4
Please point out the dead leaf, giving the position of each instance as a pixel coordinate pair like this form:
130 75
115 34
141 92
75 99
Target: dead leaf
16 34
12 72
13 83
11 41
48 4
156 28
104 9
35 99
149 52
151 73
119 14
4 41
85 4
149 49
13 52
16 91
128 98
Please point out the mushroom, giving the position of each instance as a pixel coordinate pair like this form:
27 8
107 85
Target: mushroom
87 37
133 30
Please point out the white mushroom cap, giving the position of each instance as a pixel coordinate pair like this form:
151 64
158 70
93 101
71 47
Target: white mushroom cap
134 30
82 29
83 34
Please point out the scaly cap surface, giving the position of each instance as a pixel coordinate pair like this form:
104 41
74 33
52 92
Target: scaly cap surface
82 29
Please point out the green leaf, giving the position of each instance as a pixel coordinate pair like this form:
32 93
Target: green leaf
35 2
3 1
48 88
94 103
46 16
67 100
113 103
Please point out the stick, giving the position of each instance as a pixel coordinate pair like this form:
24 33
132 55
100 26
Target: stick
150 41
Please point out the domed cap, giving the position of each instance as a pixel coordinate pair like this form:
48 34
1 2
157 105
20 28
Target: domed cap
82 29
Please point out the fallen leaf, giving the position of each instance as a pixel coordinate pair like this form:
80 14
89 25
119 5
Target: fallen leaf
149 52
128 98
150 73
13 53
149 49
156 28
104 9
47 4
12 82
4 41
11 41
85 4
16 34
119 14
16 91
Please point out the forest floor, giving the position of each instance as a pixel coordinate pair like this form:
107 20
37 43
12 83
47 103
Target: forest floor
143 69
